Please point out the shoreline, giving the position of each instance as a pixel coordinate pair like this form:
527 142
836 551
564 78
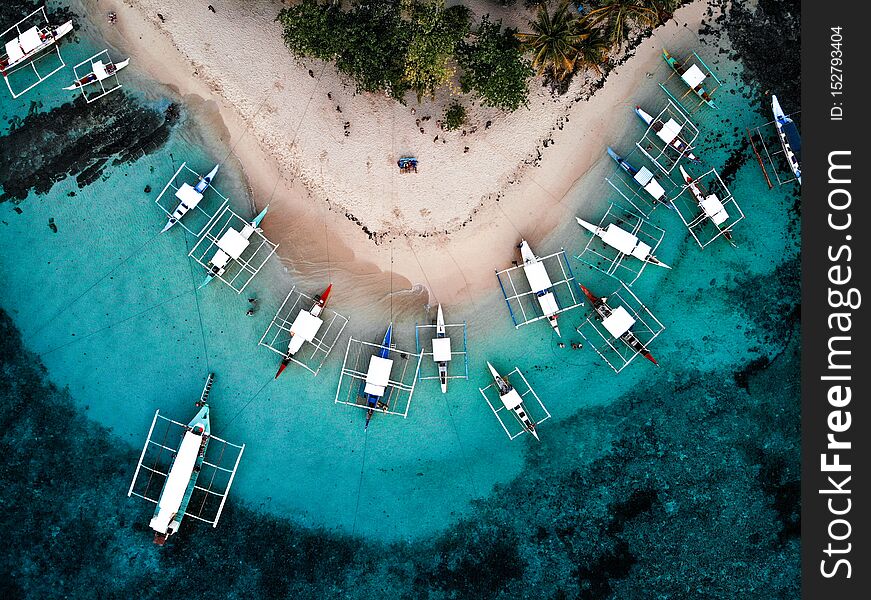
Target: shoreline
317 235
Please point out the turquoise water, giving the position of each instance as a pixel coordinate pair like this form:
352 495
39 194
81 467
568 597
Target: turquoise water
111 310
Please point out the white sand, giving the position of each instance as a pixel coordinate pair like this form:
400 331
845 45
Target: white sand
445 227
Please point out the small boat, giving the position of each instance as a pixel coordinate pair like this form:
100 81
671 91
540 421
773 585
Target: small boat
29 44
230 247
512 401
709 203
644 178
540 284
100 72
789 138
378 377
441 334
623 241
304 327
618 322
691 75
668 132
189 196
183 474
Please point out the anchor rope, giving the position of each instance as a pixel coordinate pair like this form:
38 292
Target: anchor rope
244 406
199 310
78 297
114 323
360 483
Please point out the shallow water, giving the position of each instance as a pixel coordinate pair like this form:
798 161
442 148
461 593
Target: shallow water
110 308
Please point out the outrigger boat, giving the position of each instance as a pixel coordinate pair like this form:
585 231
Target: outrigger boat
189 196
231 246
539 282
101 71
623 242
644 178
377 377
668 132
709 203
441 348
183 474
618 322
305 327
789 137
30 43
691 75
512 401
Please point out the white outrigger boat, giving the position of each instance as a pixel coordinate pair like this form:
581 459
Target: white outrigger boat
623 241
644 178
669 133
304 328
99 72
441 349
789 138
539 282
28 44
189 196
231 245
512 401
710 204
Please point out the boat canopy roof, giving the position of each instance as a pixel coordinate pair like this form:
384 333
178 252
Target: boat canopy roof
548 304
512 399
234 243
669 131
618 322
100 70
649 182
177 482
441 349
185 193
620 239
693 76
714 209
641 251
537 275
378 375
305 325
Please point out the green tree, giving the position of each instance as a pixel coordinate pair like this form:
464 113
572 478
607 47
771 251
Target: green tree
455 116
493 67
310 29
592 48
553 41
618 17
434 32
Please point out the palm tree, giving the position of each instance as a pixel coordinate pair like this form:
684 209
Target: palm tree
619 16
593 48
553 41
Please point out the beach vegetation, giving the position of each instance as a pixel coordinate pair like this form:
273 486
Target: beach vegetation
593 47
620 17
553 41
493 66
455 116
434 32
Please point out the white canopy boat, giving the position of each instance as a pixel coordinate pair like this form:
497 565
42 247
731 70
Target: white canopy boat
540 283
30 43
231 245
669 133
623 241
512 400
789 138
441 349
100 71
709 203
189 196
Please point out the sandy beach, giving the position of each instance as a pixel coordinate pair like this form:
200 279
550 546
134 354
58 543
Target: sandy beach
339 205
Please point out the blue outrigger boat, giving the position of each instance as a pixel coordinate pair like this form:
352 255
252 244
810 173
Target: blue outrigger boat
378 376
644 178
789 138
